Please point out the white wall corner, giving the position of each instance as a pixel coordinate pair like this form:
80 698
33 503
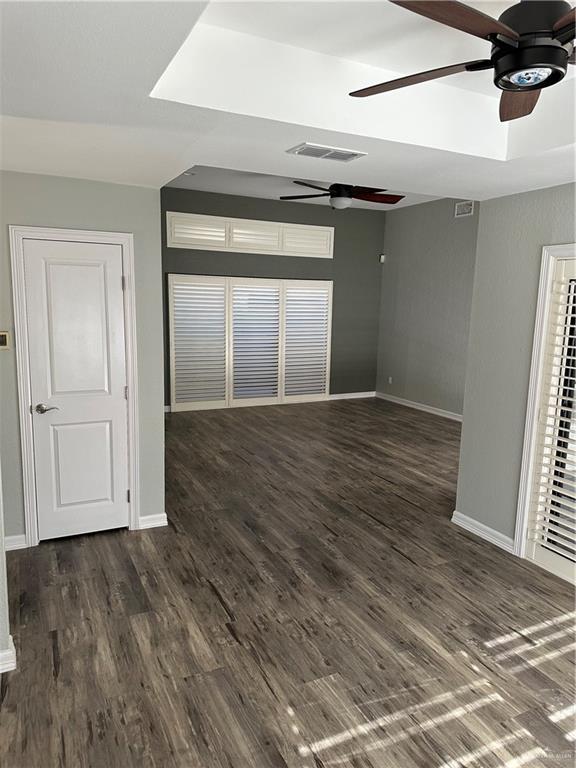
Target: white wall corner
8 657
420 406
15 542
484 532
153 521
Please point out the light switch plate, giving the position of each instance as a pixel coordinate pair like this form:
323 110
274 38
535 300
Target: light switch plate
4 340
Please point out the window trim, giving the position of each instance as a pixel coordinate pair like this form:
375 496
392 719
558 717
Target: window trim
551 254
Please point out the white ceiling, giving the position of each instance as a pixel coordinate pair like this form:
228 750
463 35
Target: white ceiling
236 84
376 33
246 184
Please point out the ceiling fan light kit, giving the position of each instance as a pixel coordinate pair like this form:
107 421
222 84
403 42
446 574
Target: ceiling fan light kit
339 203
341 195
532 45
539 61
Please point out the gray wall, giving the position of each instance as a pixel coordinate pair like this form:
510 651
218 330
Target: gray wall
426 294
28 199
512 231
354 269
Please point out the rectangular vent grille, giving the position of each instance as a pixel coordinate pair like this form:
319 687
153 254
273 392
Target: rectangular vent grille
465 208
325 153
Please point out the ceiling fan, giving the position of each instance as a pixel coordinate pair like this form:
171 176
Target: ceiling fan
341 195
532 45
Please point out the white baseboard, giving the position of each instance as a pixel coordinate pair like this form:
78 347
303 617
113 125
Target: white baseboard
15 542
483 531
420 406
153 521
309 399
351 395
8 657
149 521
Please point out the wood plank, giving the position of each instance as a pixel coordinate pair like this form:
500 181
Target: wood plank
310 604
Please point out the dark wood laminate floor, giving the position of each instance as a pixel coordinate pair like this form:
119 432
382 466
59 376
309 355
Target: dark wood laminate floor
310 605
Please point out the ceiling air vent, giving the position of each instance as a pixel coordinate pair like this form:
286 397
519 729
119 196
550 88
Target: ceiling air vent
465 208
325 153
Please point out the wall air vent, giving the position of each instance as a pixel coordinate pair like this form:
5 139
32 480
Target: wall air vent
465 208
325 153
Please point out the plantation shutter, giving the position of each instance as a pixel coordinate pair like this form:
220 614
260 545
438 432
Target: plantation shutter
307 341
248 341
198 341
253 236
552 511
193 231
255 341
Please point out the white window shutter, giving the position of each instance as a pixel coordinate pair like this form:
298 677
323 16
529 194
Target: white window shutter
249 236
255 340
228 235
299 240
552 510
197 341
307 339
186 230
248 341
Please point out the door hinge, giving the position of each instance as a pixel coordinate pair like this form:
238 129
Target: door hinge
123 283
128 496
126 392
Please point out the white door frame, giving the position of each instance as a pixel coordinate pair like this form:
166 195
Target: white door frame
126 242
550 255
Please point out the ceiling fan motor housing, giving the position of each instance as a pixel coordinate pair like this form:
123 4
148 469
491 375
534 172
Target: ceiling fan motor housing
539 60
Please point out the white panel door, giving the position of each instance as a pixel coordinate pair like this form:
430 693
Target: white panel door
75 318
255 342
198 330
307 322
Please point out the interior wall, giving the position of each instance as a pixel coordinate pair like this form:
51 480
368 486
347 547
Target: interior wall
355 270
426 296
50 201
512 231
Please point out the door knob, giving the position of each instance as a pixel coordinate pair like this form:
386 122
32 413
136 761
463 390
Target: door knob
41 408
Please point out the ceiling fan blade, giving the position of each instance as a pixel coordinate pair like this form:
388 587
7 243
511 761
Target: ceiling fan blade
568 20
303 197
312 186
515 104
362 190
370 197
565 27
459 16
423 77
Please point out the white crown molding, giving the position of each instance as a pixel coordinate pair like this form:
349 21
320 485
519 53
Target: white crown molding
8 657
420 406
483 531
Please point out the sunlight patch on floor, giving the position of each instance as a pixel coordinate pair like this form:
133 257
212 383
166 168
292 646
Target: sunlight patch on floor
520 634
